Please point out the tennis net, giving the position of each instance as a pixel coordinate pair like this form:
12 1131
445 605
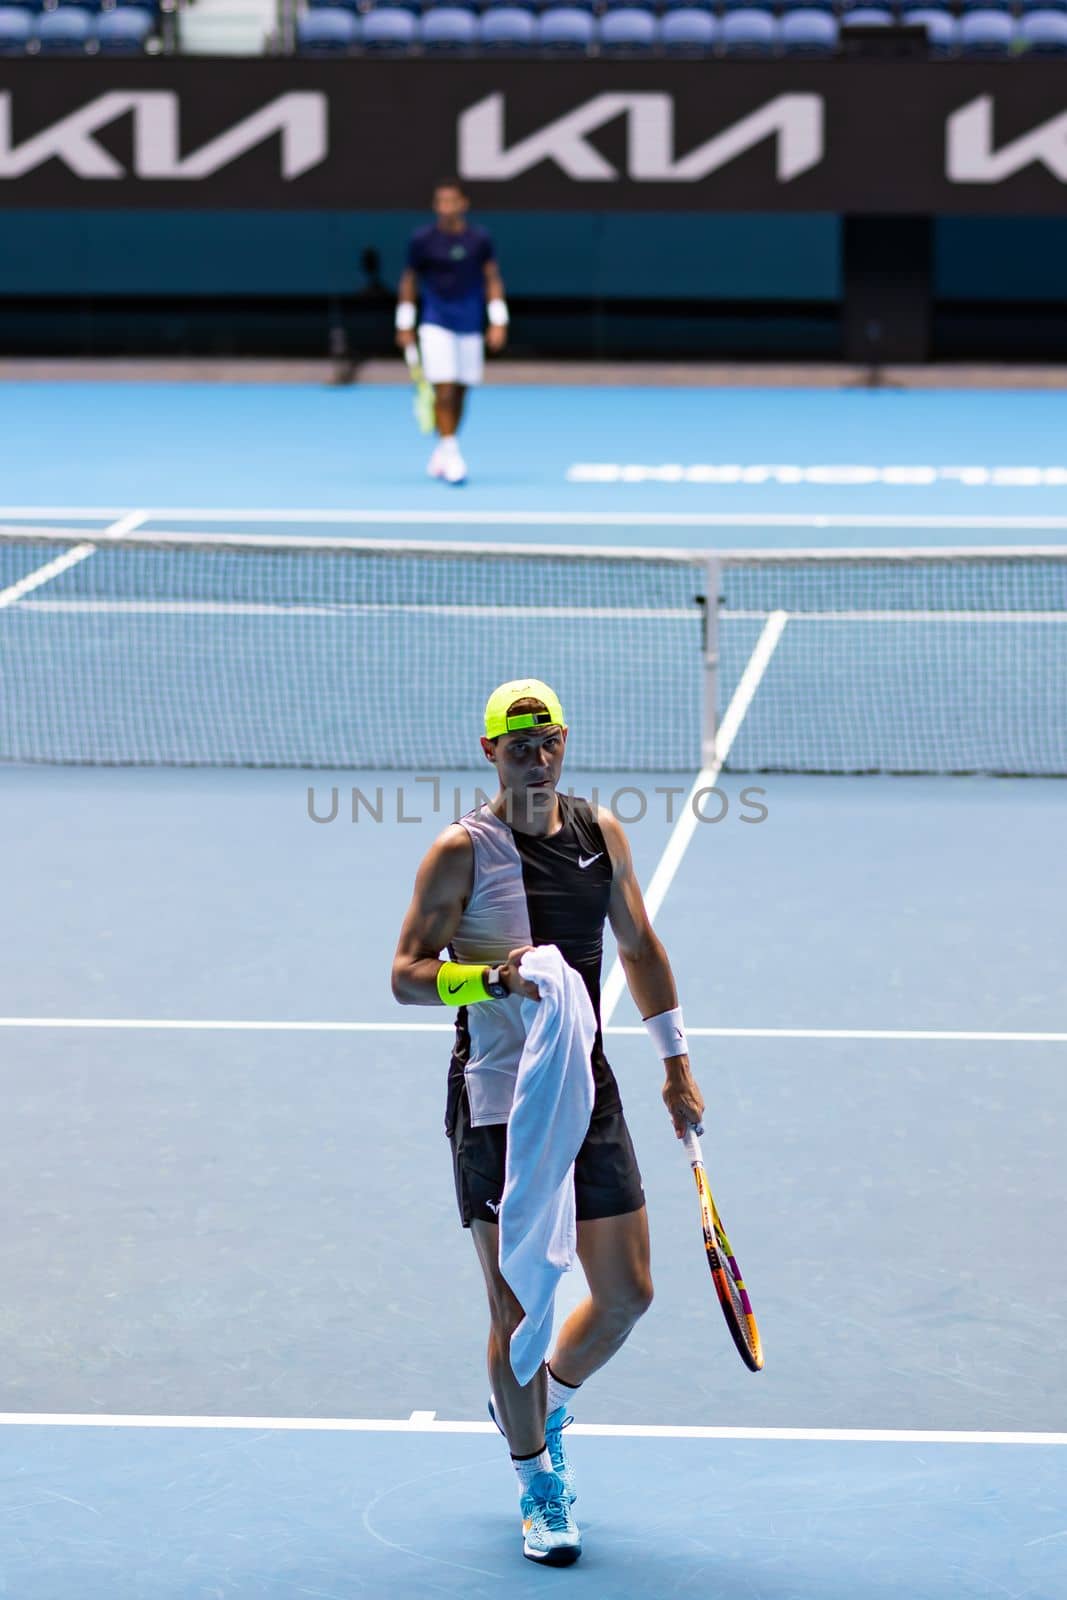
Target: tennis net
227 650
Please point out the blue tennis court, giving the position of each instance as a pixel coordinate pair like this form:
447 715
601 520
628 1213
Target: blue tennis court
244 1331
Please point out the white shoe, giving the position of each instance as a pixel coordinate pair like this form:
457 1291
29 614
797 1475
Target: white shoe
435 467
453 466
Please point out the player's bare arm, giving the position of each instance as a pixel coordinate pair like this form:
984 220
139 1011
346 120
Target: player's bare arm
648 971
442 887
496 336
407 294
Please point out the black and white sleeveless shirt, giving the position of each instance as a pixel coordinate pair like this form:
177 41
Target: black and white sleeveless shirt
528 890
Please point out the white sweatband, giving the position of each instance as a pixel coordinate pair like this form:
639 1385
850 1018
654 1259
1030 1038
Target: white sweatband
497 312
667 1032
405 315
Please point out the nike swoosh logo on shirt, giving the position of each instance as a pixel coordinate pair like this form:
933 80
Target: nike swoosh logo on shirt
582 862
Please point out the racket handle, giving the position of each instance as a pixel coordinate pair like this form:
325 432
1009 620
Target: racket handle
411 354
692 1146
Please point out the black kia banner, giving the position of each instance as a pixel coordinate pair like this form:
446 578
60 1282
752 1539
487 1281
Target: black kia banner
844 136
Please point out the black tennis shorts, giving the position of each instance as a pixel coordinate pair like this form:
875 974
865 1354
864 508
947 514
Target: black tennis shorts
607 1179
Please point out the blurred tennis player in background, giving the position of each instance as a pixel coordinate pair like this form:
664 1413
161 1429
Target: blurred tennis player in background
536 867
452 270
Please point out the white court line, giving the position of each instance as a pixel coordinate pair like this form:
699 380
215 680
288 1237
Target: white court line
686 825
544 519
426 1422
52 569
619 1030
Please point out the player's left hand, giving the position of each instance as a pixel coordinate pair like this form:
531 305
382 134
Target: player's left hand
682 1096
496 337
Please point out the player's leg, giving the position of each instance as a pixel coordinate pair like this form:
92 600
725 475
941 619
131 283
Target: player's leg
439 350
550 1534
615 1257
519 1411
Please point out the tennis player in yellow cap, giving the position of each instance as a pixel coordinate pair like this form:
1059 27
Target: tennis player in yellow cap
534 866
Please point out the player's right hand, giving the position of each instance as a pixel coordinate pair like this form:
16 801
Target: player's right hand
404 337
509 973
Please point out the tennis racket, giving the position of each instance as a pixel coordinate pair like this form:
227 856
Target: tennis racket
725 1273
422 405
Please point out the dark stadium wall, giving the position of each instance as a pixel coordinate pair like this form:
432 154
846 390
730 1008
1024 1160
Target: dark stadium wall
681 256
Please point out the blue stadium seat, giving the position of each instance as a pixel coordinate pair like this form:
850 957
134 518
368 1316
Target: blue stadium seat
65 31
388 29
16 25
565 29
941 29
986 33
448 28
627 31
123 32
688 32
1044 33
748 33
867 17
506 28
808 33
325 30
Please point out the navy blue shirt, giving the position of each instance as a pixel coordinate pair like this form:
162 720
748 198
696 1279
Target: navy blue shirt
451 269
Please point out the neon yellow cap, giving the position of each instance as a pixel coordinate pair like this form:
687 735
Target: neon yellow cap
503 698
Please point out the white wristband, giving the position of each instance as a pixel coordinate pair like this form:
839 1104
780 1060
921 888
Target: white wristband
405 315
497 312
667 1032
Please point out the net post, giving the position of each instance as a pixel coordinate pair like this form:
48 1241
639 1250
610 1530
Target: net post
712 582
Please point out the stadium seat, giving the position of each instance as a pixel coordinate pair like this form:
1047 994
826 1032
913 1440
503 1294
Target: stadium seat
123 32
16 25
627 31
808 33
1044 33
867 17
748 33
326 30
986 33
448 28
388 30
688 32
941 31
65 31
565 29
506 28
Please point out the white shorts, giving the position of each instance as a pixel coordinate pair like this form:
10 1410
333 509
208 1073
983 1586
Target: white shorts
449 357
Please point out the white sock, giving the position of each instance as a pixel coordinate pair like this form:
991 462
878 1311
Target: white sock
527 1467
449 444
558 1394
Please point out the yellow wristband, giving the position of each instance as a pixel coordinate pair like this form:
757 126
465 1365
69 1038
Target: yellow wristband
460 984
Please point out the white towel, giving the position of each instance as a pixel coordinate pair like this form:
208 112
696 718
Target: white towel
548 1123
